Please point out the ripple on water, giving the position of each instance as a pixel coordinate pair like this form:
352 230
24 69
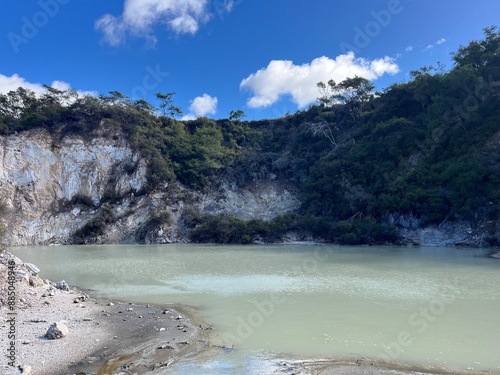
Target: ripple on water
235 285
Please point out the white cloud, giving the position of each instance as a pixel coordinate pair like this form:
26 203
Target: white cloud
112 28
201 106
409 49
140 16
431 46
228 5
283 77
13 82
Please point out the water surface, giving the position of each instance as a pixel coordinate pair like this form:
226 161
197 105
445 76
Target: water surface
429 306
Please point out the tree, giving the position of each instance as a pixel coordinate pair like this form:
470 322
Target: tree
325 129
167 106
236 115
351 92
143 105
354 92
15 104
348 97
325 99
480 53
53 96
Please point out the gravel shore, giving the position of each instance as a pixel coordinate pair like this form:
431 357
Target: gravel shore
105 337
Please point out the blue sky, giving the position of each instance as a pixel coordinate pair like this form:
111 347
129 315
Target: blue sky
264 57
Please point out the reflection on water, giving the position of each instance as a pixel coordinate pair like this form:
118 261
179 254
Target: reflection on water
436 306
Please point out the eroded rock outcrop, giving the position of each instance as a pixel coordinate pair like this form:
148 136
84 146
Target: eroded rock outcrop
55 187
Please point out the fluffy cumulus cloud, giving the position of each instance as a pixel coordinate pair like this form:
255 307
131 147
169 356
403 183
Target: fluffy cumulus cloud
201 106
140 16
13 82
283 77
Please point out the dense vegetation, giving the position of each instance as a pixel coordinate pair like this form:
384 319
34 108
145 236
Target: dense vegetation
426 148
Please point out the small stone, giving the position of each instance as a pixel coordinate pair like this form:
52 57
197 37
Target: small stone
111 304
165 347
81 298
162 329
23 276
56 331
87 320
26 342
22 300
63 285
34 270
178 317
165 312
140 316
115 337
25 369
52 294
35 281
44 295
130 309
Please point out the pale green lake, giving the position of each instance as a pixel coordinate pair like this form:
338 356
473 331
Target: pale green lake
428 306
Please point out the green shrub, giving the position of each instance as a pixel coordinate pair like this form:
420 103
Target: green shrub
95 227
224 228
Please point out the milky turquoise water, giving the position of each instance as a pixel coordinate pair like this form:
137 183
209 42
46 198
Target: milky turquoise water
429 306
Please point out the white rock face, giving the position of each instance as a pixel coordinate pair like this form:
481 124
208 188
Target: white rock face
38 175
445 234
52 187
260 200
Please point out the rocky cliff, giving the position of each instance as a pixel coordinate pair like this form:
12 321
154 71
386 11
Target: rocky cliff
54 186
58 188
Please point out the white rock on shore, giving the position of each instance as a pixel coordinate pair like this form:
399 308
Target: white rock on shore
57 330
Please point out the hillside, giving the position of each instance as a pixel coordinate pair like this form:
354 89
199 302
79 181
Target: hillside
417 163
